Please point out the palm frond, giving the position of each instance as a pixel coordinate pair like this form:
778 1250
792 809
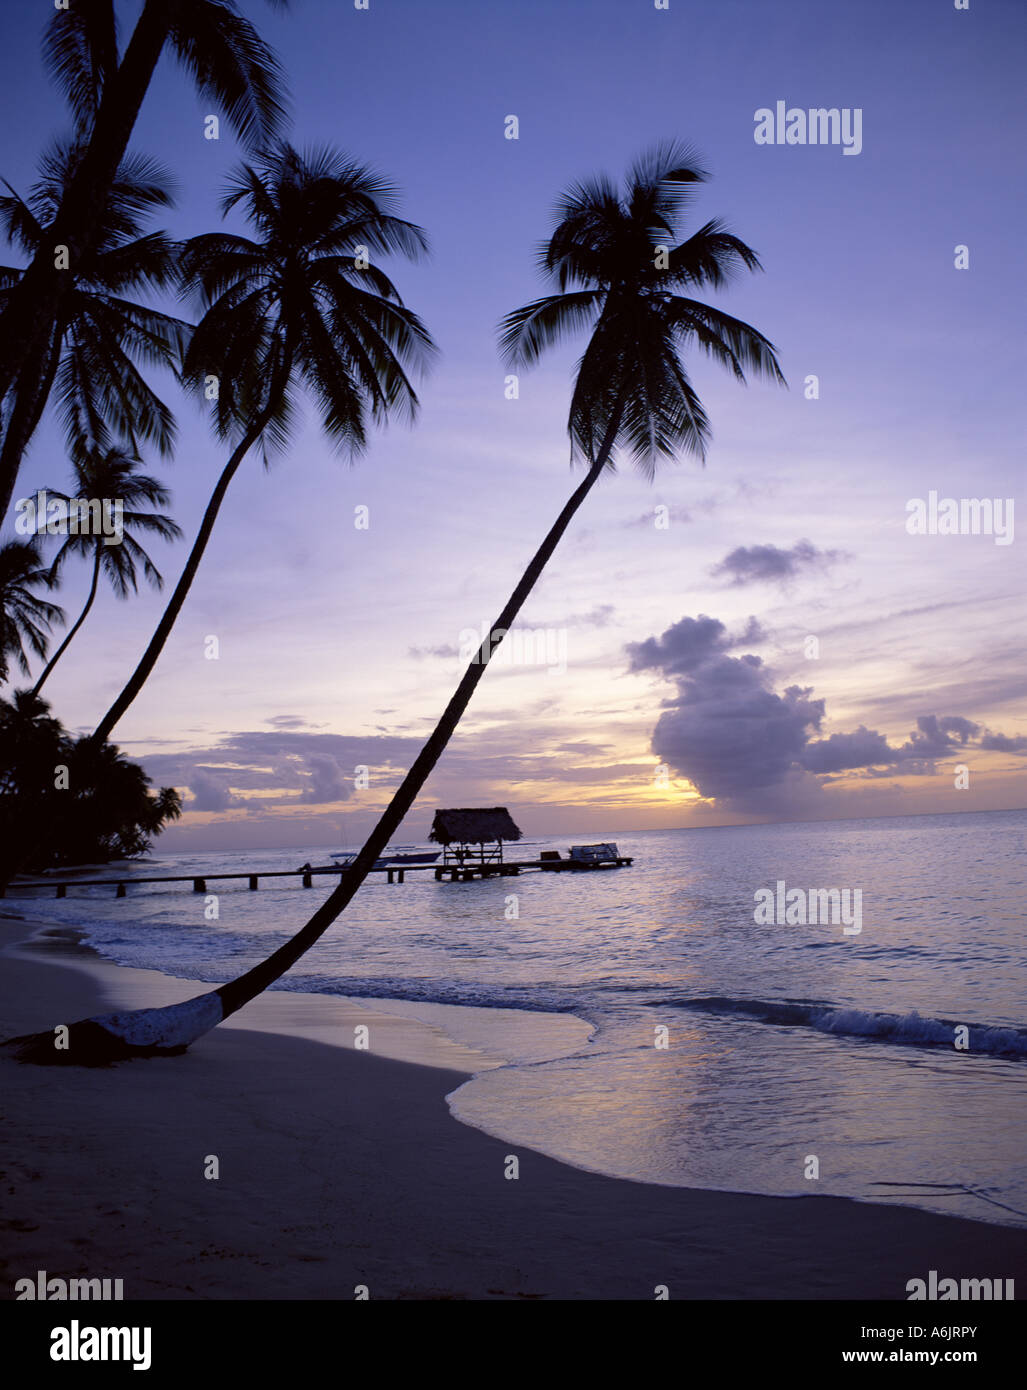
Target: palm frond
711 256
80 50
631 389
232 67
734 343
527 332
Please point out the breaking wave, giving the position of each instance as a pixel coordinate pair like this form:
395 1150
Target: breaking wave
911 1029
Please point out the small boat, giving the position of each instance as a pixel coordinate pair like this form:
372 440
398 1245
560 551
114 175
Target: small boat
399 857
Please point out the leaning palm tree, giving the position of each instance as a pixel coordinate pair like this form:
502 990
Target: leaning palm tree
111 474
100 331
299 306
25 618
617 270
233 69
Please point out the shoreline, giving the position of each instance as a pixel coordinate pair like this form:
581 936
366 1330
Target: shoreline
340 1167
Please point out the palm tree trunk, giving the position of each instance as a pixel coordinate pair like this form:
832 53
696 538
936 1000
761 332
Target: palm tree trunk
171 1029
239 992
149 659
81 619
33 303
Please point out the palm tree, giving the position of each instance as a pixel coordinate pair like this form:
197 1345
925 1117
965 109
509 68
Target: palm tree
100 331
293 308
232 68
24 616
631 391
106 810
111 474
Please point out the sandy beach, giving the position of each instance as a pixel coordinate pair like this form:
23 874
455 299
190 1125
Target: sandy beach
341 1168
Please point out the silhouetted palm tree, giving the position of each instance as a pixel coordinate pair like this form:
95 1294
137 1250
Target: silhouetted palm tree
233 69
25 618
100 331
295 308
111 475
631 390
104 808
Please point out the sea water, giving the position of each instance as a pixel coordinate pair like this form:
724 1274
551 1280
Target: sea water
732 1048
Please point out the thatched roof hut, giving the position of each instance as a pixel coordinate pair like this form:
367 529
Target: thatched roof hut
474 826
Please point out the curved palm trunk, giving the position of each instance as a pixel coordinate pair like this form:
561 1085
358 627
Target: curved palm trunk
81 619
172 1028
33 304
149 658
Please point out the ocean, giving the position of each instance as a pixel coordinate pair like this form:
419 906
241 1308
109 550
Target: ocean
732 1048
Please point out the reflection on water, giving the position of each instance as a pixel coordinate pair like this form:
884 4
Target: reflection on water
782 1041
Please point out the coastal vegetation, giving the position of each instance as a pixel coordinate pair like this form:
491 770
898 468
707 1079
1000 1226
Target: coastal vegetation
64 801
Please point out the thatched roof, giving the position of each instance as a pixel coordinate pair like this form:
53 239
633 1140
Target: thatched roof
473 826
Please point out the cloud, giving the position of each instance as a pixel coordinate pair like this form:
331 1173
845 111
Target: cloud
285 767
726 731
448 651
209 792
688 644
673 513
1002 743
840 752
600 616
769 564
327 781
751 748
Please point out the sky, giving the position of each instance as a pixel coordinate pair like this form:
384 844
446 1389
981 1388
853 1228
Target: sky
754 639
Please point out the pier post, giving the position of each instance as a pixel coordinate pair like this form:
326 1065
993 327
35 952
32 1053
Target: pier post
388 875
199 885
62 890
120 891
401 873
253 883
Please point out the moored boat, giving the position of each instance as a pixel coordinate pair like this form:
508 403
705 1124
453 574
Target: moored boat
401 857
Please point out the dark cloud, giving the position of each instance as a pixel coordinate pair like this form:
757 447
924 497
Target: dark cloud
747 746
327 781
726 731
688 644
320 767
769 564
209 792
864 748
1002 743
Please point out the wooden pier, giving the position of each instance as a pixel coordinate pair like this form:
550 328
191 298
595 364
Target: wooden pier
462 873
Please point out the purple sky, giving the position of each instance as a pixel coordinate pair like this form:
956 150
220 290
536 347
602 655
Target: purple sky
690 694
